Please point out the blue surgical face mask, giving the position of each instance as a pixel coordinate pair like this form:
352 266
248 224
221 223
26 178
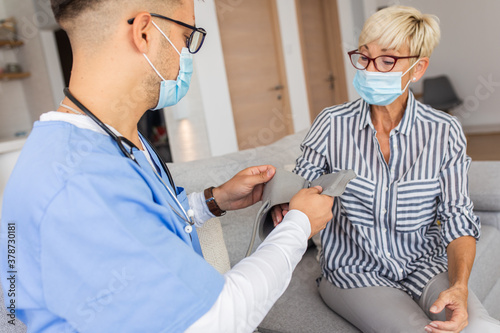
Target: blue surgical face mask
378 88
171 92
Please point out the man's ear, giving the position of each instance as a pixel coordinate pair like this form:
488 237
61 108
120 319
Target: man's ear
142 32
419 69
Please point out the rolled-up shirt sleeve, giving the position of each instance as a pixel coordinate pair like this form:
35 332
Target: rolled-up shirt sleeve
455 210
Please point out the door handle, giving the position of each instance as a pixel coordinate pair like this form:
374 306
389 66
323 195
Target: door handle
331 80
277 87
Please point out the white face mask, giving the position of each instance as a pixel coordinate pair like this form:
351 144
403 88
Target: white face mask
378 88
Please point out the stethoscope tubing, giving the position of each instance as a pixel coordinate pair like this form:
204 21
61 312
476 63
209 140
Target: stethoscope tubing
131 156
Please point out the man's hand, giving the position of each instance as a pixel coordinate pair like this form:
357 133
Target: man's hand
244 189
306 202
316 206
454 301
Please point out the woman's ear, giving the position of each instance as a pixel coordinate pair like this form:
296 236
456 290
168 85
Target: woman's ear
142 32
419 69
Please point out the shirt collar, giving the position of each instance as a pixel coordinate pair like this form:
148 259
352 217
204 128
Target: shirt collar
365 115
404 125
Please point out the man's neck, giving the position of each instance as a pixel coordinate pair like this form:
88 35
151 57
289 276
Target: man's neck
111 98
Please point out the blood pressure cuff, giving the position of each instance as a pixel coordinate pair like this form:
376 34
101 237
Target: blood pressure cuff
284 185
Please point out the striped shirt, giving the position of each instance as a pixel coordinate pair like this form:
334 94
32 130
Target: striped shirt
393 223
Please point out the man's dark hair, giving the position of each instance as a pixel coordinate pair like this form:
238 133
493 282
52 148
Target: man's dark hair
65 10
91 22
68 9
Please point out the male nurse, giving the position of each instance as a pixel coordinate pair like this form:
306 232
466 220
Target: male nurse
104 241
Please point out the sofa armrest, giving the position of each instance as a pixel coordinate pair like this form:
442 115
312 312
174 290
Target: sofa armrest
489 218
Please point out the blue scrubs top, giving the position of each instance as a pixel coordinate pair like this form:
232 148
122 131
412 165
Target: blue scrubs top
98 248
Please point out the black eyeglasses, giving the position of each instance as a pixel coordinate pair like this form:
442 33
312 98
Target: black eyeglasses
383 63
194 41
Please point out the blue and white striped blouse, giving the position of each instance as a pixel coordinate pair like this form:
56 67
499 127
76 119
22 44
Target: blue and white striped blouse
392 225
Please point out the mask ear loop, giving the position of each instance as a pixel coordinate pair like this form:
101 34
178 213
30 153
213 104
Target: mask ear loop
149 61
409 81
151 64
166 38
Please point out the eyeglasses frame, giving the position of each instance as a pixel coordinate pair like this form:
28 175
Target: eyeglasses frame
195 29
396 58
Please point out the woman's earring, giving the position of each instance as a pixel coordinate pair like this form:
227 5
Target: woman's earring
414 79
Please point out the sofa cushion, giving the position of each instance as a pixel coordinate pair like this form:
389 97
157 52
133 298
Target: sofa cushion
213 245
484 185
300 309
485 274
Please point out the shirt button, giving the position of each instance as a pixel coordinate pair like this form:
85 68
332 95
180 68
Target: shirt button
388 254
386 189
384 211
384 230
393 170
400 270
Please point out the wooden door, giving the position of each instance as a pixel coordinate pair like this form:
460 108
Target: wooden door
322 53
253 56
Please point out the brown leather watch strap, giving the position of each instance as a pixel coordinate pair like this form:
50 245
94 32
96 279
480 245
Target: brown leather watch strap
211 203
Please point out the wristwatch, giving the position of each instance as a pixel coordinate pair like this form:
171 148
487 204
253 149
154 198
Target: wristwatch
211 203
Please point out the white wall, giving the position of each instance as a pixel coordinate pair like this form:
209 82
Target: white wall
186 126
352 14
468 55
214 89
14 116
37 88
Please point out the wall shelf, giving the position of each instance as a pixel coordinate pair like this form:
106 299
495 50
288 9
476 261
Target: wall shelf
11 43
14 76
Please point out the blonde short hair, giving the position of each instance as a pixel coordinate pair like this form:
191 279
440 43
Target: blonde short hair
397 26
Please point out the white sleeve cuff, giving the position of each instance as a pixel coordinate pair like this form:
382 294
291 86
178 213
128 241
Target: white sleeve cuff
300 219
200 208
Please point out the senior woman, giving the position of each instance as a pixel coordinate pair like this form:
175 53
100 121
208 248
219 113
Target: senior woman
398 253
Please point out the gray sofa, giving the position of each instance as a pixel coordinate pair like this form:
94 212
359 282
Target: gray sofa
301 309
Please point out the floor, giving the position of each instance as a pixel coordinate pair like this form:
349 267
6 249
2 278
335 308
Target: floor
483 147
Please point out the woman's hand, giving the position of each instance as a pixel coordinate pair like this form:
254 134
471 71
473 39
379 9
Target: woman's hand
278 212
461 253
244 189
454 302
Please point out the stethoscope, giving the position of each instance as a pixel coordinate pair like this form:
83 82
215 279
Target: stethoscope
188 216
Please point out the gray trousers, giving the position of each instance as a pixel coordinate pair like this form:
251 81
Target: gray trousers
390 310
